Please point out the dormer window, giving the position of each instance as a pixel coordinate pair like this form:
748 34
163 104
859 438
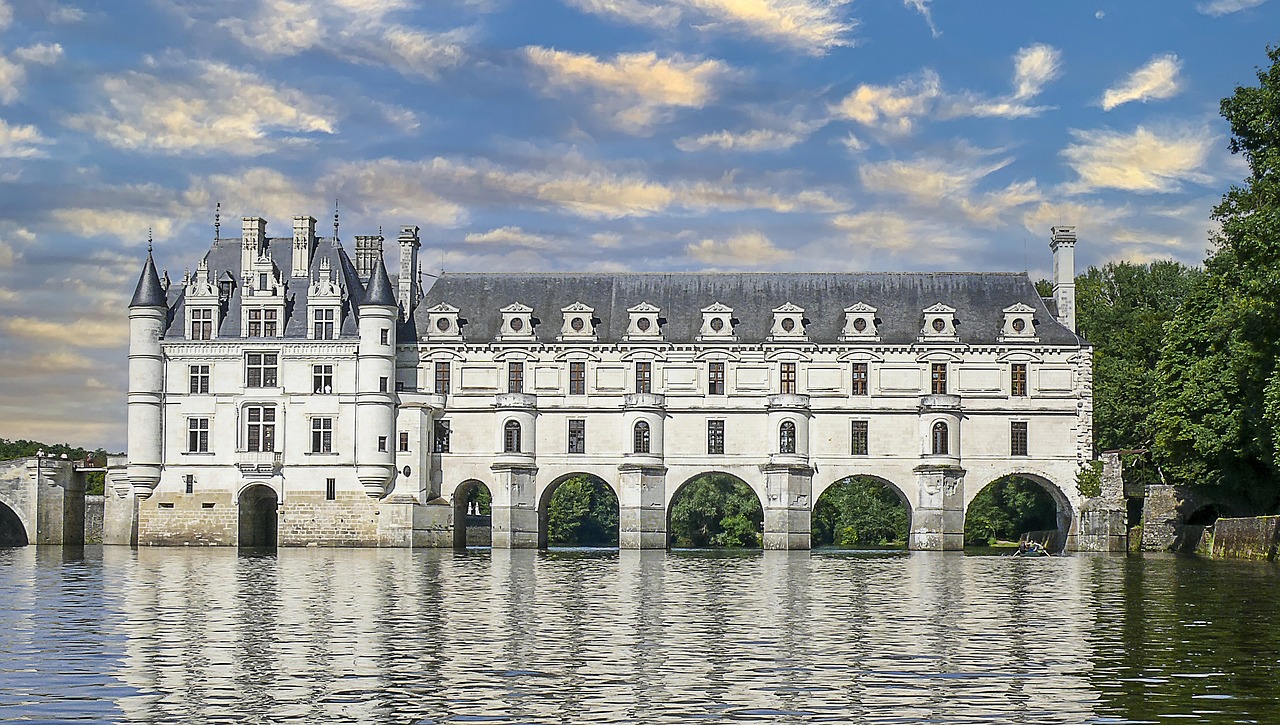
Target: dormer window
1019 324
517 322
643 323
579 322
860 323
788 323
442 323
717 323
203 305
324 302
201 323
939 323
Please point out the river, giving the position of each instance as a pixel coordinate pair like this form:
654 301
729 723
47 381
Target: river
505 637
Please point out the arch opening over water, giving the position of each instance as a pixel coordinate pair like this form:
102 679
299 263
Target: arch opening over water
259 517
472 515
1018 505
12 532
861 512
715 510
578 509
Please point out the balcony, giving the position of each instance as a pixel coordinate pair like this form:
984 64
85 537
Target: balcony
259 464
939 403
515 401
649 401
788 401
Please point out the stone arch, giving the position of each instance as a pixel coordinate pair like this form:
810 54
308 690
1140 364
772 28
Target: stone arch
544 500
464 521
895 489
12 530
259 518
1205 515
681 489
1065 511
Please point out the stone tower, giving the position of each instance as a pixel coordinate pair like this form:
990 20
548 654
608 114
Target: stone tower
375 394
1063 244
148 315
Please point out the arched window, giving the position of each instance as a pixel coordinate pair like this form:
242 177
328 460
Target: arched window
511 437
787 437
939 439
641 437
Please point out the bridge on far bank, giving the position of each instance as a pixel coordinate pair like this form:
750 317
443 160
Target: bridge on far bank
42 501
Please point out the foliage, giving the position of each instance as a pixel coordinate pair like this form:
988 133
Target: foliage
1008 508
1122 309
583 511
859 511
94 482
716 510
1044 288
1089 479
1218 420
481 497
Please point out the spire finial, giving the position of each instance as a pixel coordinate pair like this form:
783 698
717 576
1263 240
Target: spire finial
335 219
150 241
217 221
379 231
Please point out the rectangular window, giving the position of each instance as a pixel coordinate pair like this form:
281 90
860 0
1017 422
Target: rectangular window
404 441
197 435
860 386
788 384
1018 438
330 489
202 323
1018 379
938 378
255 323
199 378
386 336
322 435
715 378
190 481
262 281
644 377
440 437
858 440
262 322
322 323
515 377
261 369
383 382
577 378
322 379
577 436
715 437
260 432
382 444
442 378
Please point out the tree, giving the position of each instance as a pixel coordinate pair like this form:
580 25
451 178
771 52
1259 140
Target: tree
1007 509
583 511
716 510
94 482
859 511
1218 419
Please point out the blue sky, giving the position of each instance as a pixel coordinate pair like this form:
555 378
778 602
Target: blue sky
607 135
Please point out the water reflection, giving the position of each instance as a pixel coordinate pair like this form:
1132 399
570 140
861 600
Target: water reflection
381 636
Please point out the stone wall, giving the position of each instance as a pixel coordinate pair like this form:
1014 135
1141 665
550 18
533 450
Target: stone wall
310 520
1246 538
93 518
204 519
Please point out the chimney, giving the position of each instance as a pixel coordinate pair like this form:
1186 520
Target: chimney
368 252
304 244
407 287
253 239
1063 244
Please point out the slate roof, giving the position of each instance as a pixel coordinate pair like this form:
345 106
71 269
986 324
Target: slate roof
380 293
149 292
900 299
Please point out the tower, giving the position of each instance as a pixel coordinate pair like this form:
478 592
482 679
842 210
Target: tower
368 255
1063 244
375 394
406 284
253 238
304 244
148 315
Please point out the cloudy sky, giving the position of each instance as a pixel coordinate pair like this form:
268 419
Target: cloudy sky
589 134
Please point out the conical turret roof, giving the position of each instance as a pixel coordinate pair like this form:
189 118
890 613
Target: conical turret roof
149 292
379 292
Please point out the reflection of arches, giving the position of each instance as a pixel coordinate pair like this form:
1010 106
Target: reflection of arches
642 437
472 515
511 437
939 439
1064 515
12 532
878 522
732 514
258 522
787 437
594 516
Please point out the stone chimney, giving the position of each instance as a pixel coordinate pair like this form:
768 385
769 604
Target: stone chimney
1063 244
304 244
253 240
368 252
407 286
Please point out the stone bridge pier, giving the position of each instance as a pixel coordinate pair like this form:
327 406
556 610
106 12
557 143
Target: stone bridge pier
41 502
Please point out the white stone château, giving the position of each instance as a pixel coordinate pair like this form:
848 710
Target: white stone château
286 394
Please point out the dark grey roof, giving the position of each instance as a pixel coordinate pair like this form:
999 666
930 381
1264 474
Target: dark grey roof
149 292
900 299
380 293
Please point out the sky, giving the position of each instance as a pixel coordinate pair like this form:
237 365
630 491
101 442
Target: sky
589 135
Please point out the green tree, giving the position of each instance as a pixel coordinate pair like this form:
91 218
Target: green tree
716 510
1007 509
583 511
22 448
1218 419
859 511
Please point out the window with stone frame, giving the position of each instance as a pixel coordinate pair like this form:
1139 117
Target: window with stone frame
440 437
404 441
260 428
859 381
938 378
511 437
323 323
322 379
198 379
442 377
577 378
1018 438
787 385
787 437
515 377
859 438
322 435
641 437
201 323
941 444
197 435
261 369
715 437
644 376
577 436
263 322
330 489
715 378
1018 380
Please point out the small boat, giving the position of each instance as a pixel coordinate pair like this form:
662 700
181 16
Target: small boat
1031 548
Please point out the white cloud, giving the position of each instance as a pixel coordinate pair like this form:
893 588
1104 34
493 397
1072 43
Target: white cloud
1158 79
636 12
1224 7
6 15
932 184
893 109
761 139
1145 161
213 109
1033 67
634 90
923 241
39 54
64 14
18 142
922 7
127 225
11 75
748 249
77 333
510 237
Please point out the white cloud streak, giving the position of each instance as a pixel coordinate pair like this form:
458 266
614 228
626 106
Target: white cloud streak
39 54
747 249
1033 67
1156 80
19 141
1225 7
1146 161
922 7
